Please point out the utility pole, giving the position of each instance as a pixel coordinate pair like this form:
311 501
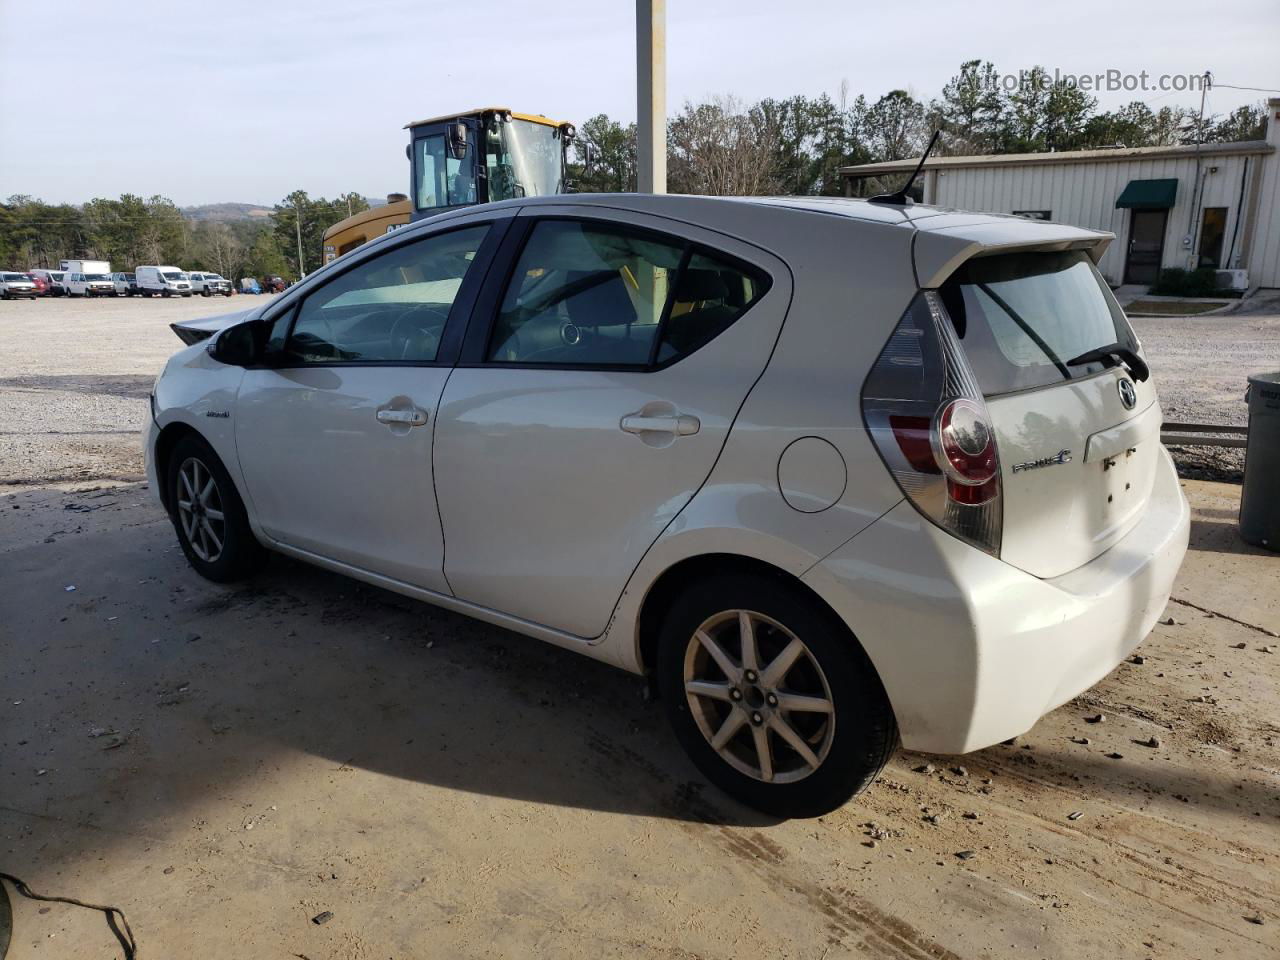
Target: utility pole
1197 185
651 96
297 224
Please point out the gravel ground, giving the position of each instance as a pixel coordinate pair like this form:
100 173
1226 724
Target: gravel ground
1201 365
74 380
75 374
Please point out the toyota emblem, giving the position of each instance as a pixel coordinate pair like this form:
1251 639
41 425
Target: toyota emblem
1128 395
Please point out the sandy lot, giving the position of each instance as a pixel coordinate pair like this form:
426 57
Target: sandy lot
225 764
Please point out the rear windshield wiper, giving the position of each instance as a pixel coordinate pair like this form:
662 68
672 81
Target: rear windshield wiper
1115 351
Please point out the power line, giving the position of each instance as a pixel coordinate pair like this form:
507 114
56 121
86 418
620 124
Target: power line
1230 86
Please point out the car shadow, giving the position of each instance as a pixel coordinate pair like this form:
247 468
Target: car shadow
208 681
1222 536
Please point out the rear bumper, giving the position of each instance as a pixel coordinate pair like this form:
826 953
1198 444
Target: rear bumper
973 651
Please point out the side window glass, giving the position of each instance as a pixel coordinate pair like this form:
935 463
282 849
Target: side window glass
443 180
710 295
391 309
431 172
585 294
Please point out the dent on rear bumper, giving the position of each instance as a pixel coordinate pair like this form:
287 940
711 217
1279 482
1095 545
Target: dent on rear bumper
973 651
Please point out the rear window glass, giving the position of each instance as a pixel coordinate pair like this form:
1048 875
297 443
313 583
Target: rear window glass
1021 317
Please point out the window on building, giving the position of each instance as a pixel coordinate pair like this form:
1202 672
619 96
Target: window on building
1213 230
1034 214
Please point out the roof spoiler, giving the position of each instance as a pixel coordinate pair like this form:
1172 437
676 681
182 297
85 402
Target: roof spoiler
940 249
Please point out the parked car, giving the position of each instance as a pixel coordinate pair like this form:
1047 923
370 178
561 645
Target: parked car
17 286
210 284
125 284
273 284
42 285
250 285
88 285
162 281
53 278
835 474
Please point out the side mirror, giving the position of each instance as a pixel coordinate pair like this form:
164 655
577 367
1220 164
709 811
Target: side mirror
458 140
241 345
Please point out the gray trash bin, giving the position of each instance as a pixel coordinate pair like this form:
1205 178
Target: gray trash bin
1260 499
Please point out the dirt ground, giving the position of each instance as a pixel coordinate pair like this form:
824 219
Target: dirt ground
227 763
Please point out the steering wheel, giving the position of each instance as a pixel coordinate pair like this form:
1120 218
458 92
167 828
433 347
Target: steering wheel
416 333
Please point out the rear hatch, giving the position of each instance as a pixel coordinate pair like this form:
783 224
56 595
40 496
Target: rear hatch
1078 442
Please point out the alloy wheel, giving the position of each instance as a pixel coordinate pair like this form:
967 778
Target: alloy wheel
200 510
759 696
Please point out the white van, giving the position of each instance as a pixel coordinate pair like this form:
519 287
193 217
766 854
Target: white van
165 281
54 278
88 285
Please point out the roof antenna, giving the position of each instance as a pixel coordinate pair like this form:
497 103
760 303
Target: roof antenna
899 197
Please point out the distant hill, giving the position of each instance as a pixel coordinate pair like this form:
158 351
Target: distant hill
226 211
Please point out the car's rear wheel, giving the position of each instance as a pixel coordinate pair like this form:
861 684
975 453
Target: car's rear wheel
209 516
772 697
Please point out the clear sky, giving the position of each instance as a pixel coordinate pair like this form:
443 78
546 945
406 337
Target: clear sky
245 101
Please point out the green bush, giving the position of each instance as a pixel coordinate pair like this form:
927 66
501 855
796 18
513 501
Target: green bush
1176 282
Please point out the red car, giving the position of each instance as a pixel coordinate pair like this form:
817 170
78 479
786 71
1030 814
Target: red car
42 285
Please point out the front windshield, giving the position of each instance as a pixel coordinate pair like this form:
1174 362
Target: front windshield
212 276
524 159
12 277
96 276
172 275
56 277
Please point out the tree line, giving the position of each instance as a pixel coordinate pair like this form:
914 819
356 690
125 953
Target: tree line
131 231
719 146
797 145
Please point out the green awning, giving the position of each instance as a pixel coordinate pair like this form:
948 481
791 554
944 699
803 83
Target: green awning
1148 195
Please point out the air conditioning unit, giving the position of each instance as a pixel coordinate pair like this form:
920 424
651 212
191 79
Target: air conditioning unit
1232 279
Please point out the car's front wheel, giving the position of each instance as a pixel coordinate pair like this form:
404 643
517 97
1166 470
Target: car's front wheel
772 697
209 516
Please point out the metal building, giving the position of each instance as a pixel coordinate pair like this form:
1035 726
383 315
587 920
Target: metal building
1213 204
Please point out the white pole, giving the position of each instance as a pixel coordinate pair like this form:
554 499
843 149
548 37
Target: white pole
651 95
297 224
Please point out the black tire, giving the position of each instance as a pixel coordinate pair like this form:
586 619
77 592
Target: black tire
863 732
240 555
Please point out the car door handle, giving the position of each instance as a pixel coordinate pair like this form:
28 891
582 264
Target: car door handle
413 417
680 425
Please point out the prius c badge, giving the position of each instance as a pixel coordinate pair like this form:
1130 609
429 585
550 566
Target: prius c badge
1062 456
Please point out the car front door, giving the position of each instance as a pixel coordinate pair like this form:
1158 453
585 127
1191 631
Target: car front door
334 435
595 391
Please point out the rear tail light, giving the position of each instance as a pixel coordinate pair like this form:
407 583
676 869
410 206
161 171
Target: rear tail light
927 416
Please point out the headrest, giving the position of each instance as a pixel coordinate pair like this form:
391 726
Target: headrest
698 285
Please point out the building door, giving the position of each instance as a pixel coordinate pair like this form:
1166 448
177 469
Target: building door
1213 230
1146 246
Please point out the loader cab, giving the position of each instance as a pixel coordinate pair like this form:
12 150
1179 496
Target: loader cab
482 156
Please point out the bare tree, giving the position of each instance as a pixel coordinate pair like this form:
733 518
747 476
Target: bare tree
221 248
721 149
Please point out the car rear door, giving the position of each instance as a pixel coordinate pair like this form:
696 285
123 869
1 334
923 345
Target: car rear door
597 387
1079 441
